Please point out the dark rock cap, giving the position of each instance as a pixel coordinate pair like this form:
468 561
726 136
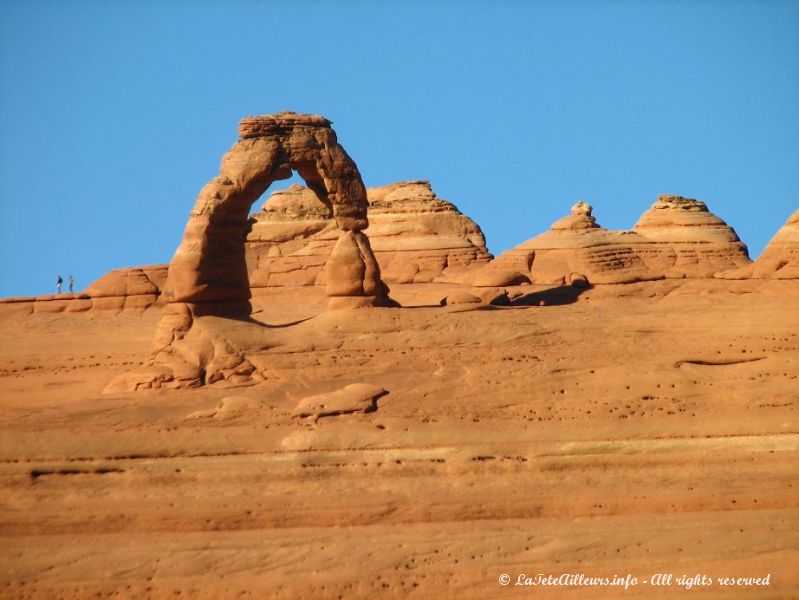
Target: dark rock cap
259 125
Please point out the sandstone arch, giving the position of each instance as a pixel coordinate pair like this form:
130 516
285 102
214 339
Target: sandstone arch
197 342
209 265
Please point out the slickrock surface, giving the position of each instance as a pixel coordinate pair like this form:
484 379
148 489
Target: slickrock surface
294 440
652 433
779 260
354 397
415 236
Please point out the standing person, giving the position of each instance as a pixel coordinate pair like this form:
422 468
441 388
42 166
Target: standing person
58 283
71 283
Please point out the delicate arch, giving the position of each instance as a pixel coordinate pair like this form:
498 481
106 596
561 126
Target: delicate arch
209 265
208 274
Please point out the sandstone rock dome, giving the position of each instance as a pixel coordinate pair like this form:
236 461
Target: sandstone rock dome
416 236
577 244
676 238
779 260
685 239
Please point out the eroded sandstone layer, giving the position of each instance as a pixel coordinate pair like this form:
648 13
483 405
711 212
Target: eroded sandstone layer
416 237
779 260
418 452
576 245
685 239
676 238
205 334
130 288
419 237
210 265
135 287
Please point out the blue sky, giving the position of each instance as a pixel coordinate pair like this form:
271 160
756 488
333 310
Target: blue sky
113 115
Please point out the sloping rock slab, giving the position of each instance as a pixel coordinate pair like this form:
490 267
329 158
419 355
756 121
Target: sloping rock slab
229 407
355 397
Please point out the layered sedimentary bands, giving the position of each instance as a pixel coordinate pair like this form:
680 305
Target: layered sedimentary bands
261 419
416 237
684 239
780 259
131 288
676 238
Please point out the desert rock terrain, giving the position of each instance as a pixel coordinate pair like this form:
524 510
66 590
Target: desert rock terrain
648 432
592 402
416 237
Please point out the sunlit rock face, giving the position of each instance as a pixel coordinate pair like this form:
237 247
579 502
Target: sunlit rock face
578 244
210 264
779 260
676 238
685 239
203 333
416 237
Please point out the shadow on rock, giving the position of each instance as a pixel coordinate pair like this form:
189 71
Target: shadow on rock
557 296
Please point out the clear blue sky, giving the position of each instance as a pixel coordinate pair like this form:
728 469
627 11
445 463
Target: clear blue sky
113 115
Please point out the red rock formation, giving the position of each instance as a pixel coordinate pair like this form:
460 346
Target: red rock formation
685 239
419 237
290 240
416 237
207 279
46 303
209 265
678 237
779 260
133 287
576 244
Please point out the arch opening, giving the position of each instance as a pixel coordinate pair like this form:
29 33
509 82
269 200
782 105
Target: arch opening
208 276
209 266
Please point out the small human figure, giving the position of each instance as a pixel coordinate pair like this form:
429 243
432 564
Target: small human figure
71 283
58 283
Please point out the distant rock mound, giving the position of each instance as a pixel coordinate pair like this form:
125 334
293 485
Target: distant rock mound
581 217
132 287
416 237
779 260
577 244
685 239
676 238
419 237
